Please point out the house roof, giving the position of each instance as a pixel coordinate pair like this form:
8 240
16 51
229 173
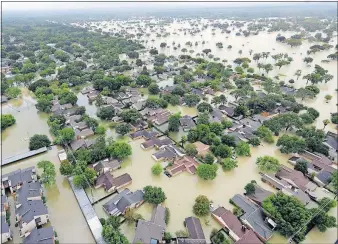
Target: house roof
295 178
254 216
187 122
110 164
181 164
249 238
147 134
194 228
332 140
230 220
159 142
230 111
105 179
29 209
190 241
121 180
28 190
40 236
123 200
158 216
324 176
20 176
165 153
259 195
77 144
201 148
147 231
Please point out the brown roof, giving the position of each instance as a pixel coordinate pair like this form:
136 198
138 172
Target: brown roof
122 180
230 220
294 176
249 238
108 181
194 228
259 195
201 148
185 163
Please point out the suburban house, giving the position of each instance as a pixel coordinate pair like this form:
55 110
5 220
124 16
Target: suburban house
249 238
253 218
151 231
81 134
58 107
145 134
216 116
40 236
195 231
6 234
201 148
139 124
106 165
168 152
186 163
87 90
187 123
111 183
28 192
139 105
92 95
156 142
160 118
259 195
123 201
296 179
331 140
15 179
81 143
31 214
286 188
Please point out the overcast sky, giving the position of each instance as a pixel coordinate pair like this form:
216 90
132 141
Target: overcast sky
25 5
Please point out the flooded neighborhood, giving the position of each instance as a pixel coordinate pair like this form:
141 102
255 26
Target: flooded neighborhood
164 127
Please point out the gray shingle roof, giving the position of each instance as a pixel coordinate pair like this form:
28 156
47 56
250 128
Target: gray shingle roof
40 236
29 209
194 227
4 225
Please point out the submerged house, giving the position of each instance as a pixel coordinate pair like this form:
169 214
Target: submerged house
123 201
111 183
254 218
195 232
331 141
186 163
106 165
187 123
168 152
156 142
40 236
145 134
151 231
259 195
15 179
6 234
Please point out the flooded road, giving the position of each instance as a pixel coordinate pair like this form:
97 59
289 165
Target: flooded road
65 214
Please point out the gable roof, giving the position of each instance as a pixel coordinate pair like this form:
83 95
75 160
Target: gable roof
4 225
19 176
29 209
194 228
249 238
40 236
158 216
259 195
28 190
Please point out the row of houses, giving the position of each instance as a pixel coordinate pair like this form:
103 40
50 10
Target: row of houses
31 213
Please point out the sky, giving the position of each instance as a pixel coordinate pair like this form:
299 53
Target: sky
40 5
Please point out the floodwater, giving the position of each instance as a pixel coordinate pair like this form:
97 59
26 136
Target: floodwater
65 215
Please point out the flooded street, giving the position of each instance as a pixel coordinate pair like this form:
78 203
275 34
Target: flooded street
182 189
65 214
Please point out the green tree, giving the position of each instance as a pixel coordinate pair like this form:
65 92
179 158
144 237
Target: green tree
249 188
201 207
13 92
119 150
48 175
301 165
38 141
143 80
153 194
154 89
156 169
334 180
216 128
203 118
167 215
174 122
207 171
222 151
204 107
191 100
7 120
268 164
228 140
322 220
243 149
106 113
112 236
65 136
229 164
123 129
100 130
130 115
209 158
191 150
291 144
66 168
254 141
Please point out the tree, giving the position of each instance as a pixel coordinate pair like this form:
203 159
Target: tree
313 139
249 188
226 123
265 134
222 151
143 80
130 115
228 140
328 98
286 120
44 105
207 171
291 144
203 119
241 110
65 136
106 113
119 150
13 92
100 130
7 120
202 206
229 164
153 194
305 93
216 128
83 177
156 169
301 165
167 215
308 60
191 100
153 88
289 214
268 68
254 141
243 149
123 129
38 141
298 73
334 180
113 235
174 122
326 122
191 150
268 164
327 203
204 107
66 168
322 220
209 158
48 175
334 118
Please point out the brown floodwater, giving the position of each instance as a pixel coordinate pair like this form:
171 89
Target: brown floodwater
65 214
